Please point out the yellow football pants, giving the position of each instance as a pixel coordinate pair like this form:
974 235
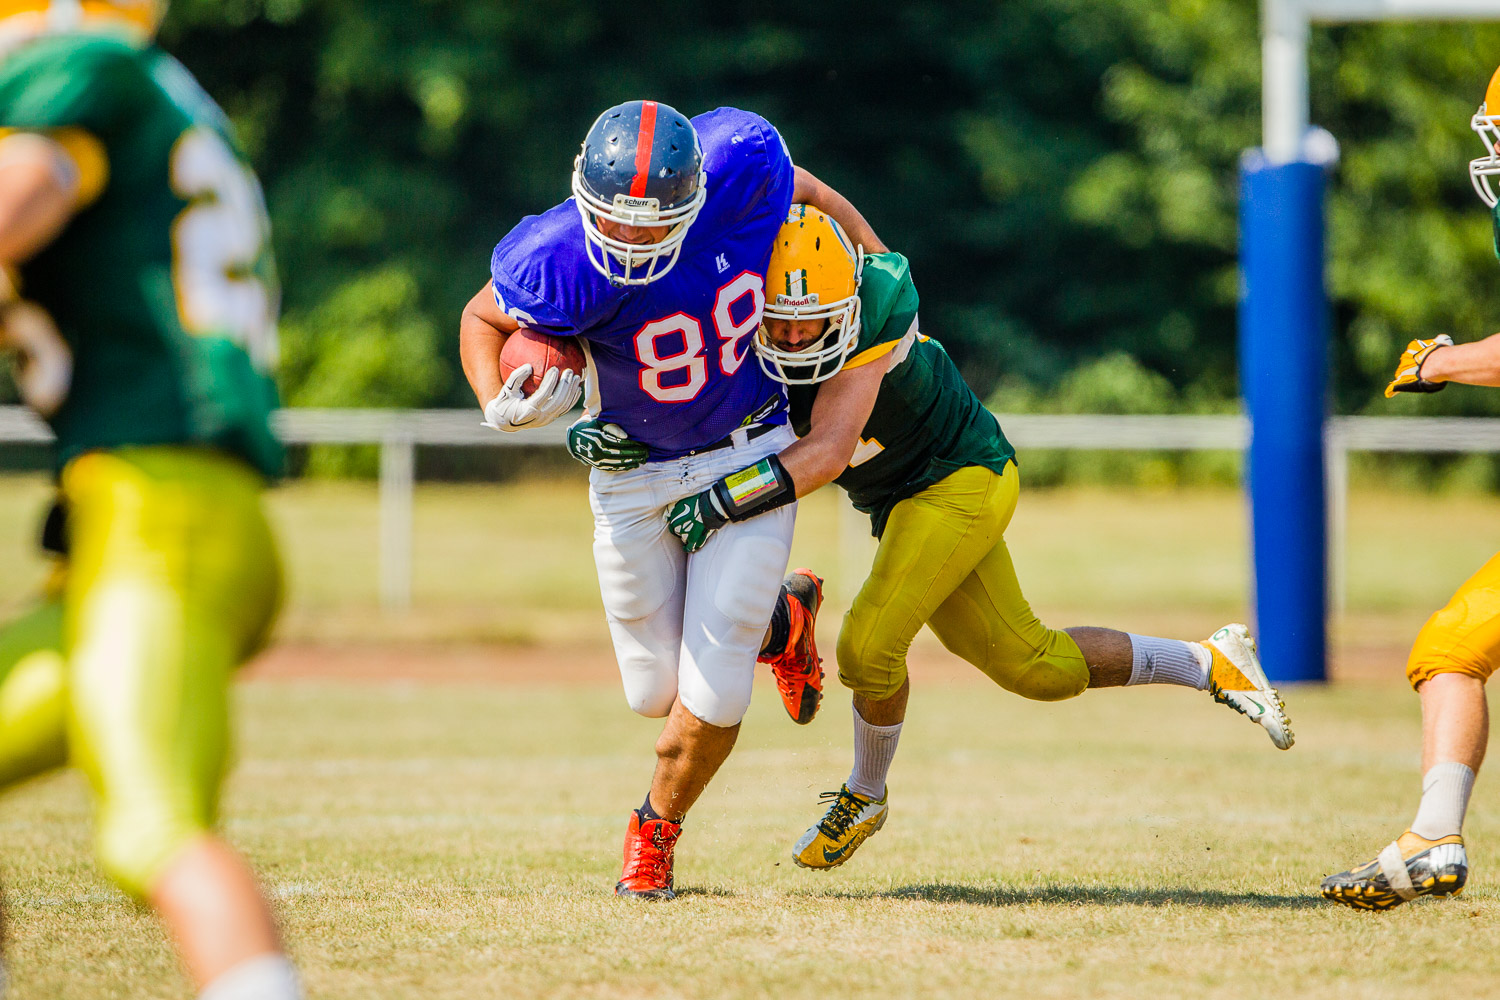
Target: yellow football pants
942 561
172 580
1464 636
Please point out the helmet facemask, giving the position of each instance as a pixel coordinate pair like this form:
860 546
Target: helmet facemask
1481 170
1486 124
619 261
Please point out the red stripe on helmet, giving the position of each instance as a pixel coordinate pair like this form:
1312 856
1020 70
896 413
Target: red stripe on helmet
643 148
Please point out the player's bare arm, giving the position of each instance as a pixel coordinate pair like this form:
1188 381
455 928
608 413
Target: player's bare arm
843 405
808 190
481 336
39 185
482 332
808 334
1476 363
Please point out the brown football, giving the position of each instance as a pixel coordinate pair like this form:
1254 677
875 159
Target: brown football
541 351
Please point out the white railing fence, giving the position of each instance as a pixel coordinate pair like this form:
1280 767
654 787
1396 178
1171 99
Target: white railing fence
400 432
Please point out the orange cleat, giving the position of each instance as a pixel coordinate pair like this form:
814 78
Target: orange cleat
799 668
648 859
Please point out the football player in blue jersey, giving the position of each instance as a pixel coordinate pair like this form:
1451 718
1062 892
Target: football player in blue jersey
657 264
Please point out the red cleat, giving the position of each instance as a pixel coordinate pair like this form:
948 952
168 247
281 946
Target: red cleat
648 859
799 668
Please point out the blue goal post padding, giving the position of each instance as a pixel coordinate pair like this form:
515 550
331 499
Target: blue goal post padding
1284 377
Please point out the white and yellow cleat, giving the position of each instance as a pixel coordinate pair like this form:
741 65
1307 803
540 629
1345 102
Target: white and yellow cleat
1413 866
1236 679
850 820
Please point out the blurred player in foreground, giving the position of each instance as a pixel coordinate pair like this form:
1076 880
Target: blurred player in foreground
883 412
1457 649
141 303
658 265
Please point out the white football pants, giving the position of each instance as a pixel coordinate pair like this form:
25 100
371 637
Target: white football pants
688 626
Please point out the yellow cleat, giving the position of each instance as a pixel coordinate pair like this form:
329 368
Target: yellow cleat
1237 680
1411 867
850 820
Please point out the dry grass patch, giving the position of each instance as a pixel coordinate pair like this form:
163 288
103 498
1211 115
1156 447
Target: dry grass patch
463 841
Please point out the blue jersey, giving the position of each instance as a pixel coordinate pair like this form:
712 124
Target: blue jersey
673 359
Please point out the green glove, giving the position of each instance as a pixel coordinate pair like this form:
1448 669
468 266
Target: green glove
741 495
694 518
604 446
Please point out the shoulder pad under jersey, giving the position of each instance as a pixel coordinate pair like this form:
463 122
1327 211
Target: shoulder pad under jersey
888 297
542 277
78 80
748 168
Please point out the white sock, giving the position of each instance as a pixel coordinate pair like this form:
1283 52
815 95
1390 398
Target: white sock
874 749
1445 799
264 977
1168 661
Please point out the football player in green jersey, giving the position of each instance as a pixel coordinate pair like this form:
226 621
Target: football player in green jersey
881 410
140 301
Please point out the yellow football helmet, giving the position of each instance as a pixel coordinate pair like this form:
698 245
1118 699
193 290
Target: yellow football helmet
815 273
137 20
1487 123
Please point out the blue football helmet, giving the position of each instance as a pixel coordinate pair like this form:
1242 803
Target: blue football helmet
641 165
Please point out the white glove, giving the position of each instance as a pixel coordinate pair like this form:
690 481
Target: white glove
44 366
512 410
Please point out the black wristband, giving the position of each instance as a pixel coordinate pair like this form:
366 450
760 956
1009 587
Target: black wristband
754 490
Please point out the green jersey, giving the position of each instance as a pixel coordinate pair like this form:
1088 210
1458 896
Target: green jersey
162 284
927 423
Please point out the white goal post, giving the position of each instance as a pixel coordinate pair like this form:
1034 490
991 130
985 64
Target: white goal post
1285 23
1284 312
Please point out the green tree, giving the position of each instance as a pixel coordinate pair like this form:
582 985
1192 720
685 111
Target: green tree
1062 173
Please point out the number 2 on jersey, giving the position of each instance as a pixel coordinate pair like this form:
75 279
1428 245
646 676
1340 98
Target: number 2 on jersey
691 358
217 243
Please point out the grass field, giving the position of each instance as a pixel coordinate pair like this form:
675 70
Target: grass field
461 839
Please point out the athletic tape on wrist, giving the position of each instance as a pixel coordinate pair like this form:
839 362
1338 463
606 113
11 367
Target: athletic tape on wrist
754 490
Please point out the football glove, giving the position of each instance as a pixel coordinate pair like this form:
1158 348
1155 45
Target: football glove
604 446
513 410
741 495
43 363
1409 368
694 518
